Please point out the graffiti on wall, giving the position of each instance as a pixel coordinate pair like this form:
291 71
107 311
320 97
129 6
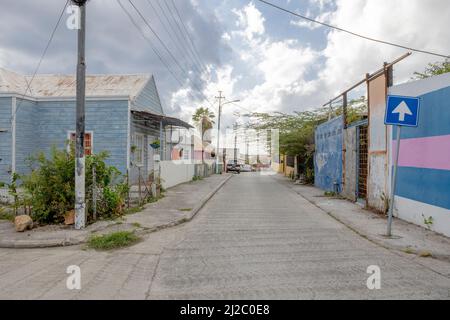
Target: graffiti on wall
328 156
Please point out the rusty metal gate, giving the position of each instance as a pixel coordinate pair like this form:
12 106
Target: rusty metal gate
362 141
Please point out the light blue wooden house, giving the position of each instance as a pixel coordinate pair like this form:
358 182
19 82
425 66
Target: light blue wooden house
124 116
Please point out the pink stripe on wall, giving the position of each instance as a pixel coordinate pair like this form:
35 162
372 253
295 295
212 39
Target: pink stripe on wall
427 153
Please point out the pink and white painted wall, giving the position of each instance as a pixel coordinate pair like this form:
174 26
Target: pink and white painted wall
423 188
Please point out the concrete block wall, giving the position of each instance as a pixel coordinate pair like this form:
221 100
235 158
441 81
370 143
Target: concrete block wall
423 185
176 172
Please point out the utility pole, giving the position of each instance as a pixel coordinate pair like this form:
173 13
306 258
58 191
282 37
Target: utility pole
257 146
235 143
247 158
394 184
80 169
220 97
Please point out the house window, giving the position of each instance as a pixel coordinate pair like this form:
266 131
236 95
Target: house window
139 152
88 145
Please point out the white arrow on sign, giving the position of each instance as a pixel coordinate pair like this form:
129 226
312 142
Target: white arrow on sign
402 109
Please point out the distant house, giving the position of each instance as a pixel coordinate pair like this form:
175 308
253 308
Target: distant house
124 116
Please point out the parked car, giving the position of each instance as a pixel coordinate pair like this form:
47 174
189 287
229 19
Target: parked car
233 166
246 168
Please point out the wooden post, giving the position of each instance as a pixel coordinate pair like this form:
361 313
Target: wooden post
139 179
344 109
94 193
128 191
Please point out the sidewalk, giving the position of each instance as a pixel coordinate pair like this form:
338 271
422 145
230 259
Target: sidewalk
408 238
180 204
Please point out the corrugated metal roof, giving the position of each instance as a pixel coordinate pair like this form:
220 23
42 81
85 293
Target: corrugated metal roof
165 119
65 85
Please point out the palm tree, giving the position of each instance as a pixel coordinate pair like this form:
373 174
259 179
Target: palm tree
204 120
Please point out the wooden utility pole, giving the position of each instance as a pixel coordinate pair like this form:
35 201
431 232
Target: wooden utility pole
80 169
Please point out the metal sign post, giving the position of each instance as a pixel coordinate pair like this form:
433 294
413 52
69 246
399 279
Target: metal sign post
394 184
400 111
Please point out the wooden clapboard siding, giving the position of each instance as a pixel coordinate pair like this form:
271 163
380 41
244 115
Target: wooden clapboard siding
5 138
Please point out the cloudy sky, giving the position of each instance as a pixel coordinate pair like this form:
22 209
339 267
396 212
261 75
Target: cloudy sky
269 60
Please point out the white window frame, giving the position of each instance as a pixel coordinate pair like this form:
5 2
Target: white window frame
142 150
70 132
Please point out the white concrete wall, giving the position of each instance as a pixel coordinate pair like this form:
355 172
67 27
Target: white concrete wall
408 209
414 212
377 180
176 172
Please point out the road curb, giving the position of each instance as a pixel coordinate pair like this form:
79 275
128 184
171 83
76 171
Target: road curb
34 244
370 237
194 212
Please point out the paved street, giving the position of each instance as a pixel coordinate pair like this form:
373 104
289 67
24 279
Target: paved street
255 239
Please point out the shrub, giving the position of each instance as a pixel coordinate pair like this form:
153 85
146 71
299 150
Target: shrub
50 186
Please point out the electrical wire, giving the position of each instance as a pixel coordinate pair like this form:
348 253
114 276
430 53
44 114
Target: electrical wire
166 65
167 49
354 33
177 43
186 37
52 35
150 42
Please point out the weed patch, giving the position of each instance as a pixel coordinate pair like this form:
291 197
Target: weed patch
113 240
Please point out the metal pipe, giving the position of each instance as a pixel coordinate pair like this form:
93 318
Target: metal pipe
371 76
394 185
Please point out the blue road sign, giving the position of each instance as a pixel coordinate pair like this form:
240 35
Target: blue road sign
402 111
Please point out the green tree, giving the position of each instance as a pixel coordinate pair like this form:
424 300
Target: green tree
433 69
204 120
296 131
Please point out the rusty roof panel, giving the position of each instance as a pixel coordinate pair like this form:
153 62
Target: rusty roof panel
65 85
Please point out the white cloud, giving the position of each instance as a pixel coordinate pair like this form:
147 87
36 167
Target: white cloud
223 81
251 20
274 69
270 74
413 23
303 23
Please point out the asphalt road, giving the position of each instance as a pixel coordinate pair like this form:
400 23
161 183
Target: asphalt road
255 239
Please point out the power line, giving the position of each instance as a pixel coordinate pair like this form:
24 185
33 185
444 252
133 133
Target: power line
166 65
243 108
354 33
167 49
150 42
157 36
187 38
178 43
40 60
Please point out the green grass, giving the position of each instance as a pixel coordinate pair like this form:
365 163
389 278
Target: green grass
113 240
425 254
133 210
155 199
185 209
136 225
409 251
